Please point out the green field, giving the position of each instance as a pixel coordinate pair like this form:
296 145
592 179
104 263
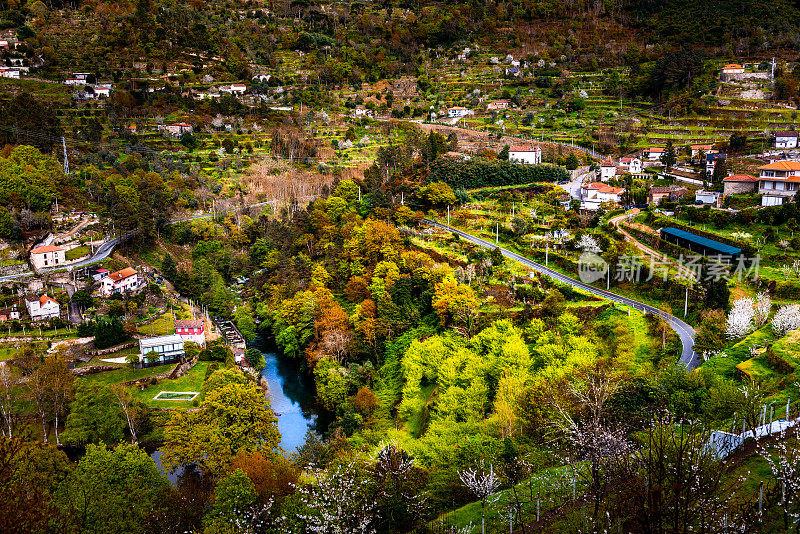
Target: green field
77 252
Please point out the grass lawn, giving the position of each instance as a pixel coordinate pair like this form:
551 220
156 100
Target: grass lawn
124 374
77 252
191 381
160 327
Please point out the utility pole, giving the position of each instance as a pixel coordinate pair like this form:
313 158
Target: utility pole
686 303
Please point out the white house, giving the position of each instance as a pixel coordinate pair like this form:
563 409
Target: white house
596 193
711 160
74 81
786 139
525 155
654 153
632 165
47 256
191 330
608 169
237 88
9 314
177 128
707 197
777 181
696 149
168 349
732 68
457 112
125 281
102 91
10 73
41 308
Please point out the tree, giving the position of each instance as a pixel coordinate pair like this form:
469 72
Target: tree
740 320
9 382
83 299
786 319
572 162
231 419
234 498
95 417
503 154
126 402
482 484
719 174
60 382
669 157
716 292
710 335
398 485
255 358
118 487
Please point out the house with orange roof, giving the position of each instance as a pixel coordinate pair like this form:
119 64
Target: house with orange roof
653 153
47 256
125 281
527 155
739 184
777 181
696 149
597 193
731 68
42 308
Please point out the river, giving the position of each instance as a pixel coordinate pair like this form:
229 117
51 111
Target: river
292 395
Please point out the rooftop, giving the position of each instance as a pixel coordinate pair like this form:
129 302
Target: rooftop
740 178
46 248
783 165
160 340
121 275
189 323
716 246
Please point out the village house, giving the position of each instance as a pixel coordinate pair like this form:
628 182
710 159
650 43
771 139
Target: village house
99 273
234 88
191 330
10 73
513 71
738 184
74 81
608 169
361 111
160 350
178 128
9 314
671 193
653 153
498 104
786 139
47 256
457 112
525 155
42 308
125 281
707 197
595 194
730 68
777 181
631 165
712 159
696 149
102 91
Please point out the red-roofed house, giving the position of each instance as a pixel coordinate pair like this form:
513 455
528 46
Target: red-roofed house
498 104
9 314
777 181
125 281
654 153
41 308
697 148
596 193
193 330
739 183
631 165
527 155
47 256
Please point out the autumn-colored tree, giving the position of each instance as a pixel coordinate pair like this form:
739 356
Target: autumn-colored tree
272 475
364 401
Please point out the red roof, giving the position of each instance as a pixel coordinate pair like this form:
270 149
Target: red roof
189 323
784 165
121 275
46 248
740 178
44 299
608 163
603 188
520 148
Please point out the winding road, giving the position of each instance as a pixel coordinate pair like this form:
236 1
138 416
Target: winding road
684 331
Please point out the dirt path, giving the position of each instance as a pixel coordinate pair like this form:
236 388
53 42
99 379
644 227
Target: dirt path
648 251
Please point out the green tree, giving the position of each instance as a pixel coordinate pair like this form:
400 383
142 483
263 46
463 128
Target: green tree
234 496
118 487
95 417
572 162
231 419
503 154
669 157
331 384
255 358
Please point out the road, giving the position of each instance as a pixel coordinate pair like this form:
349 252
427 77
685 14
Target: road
682 329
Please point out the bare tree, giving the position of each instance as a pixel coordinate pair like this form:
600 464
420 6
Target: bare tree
783 458
61 384
40 391
124 397
9 382
336 343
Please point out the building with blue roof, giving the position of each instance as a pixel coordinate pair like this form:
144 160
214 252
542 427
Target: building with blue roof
701 245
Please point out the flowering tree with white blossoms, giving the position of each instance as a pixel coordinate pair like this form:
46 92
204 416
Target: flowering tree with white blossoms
784 460
763 307
588 243
338 503
740 318
787 318
482 484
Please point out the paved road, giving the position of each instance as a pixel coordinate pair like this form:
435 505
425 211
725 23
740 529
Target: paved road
684 331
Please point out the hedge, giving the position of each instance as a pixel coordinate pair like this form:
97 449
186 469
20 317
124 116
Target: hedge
480 172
